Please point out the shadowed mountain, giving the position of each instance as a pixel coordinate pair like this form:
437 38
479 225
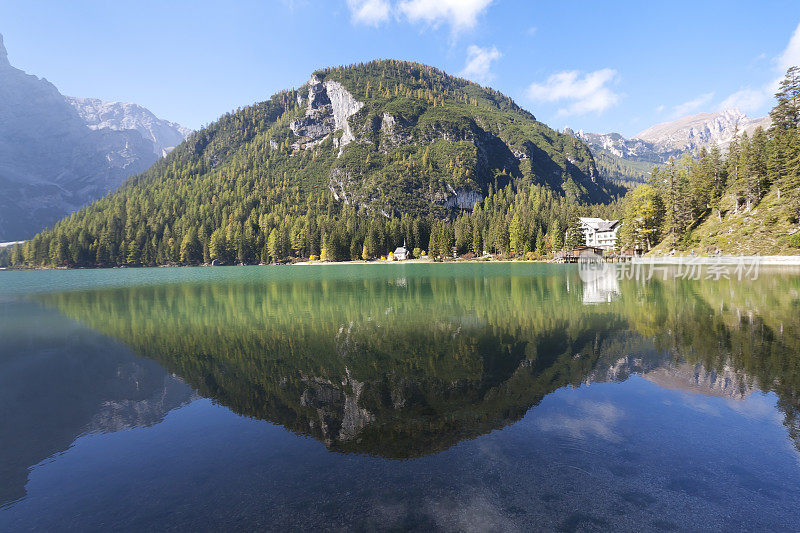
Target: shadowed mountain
59 154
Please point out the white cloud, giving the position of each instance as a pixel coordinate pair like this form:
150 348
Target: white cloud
753 100
585 420
746 100
460 14
687 108
660 109
791 54
585 93
369 12
479 63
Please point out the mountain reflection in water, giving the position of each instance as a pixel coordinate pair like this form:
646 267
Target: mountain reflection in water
396 365
408 367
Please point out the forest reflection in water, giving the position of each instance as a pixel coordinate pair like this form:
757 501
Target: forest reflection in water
409 362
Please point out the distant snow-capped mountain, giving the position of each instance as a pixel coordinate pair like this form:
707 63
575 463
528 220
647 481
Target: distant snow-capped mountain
98 115
702 130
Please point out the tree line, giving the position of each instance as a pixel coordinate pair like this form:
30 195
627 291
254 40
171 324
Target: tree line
512 222
684 192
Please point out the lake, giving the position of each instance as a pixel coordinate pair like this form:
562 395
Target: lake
510 396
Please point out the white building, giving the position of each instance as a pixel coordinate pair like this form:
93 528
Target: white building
400 253
600 233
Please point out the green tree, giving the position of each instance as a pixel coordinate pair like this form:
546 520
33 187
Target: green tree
191 250
574 234
218 246
644 214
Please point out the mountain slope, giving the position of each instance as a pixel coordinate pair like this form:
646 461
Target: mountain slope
385 139
472 137
51 163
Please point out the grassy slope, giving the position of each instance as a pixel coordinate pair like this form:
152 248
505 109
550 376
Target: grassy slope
764 230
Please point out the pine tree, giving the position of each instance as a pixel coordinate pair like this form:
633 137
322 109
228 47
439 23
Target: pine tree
574 236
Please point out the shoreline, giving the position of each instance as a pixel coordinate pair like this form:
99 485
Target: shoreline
763 260
776 260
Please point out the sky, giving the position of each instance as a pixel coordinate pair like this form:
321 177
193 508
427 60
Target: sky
598 66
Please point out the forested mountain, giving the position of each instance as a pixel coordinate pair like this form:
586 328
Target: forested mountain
352 163
744 201
53 160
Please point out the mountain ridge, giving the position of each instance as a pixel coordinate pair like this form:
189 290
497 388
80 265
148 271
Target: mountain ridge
693 132
100 114
631 160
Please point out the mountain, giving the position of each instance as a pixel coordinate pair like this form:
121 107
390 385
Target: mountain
99 115
359 146
51 161
618 146
631 160
702 130
740 200
625 161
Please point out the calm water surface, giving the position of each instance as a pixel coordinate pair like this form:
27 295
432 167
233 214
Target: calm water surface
452 397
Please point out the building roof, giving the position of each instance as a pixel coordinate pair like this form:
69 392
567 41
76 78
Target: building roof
400 250
599 224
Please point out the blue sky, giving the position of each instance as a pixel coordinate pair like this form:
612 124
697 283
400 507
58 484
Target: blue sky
601 66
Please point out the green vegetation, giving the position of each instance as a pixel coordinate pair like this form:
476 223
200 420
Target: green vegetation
747 201
626 172
249 189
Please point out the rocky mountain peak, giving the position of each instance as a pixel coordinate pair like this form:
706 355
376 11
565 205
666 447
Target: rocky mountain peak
100 115
702 130
3 54
58 154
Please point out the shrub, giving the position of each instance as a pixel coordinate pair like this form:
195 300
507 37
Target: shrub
794 240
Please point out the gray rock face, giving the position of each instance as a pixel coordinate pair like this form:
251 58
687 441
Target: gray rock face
702 130
51 161
464 199
329 107
616 144
99 115
3 54
344 106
